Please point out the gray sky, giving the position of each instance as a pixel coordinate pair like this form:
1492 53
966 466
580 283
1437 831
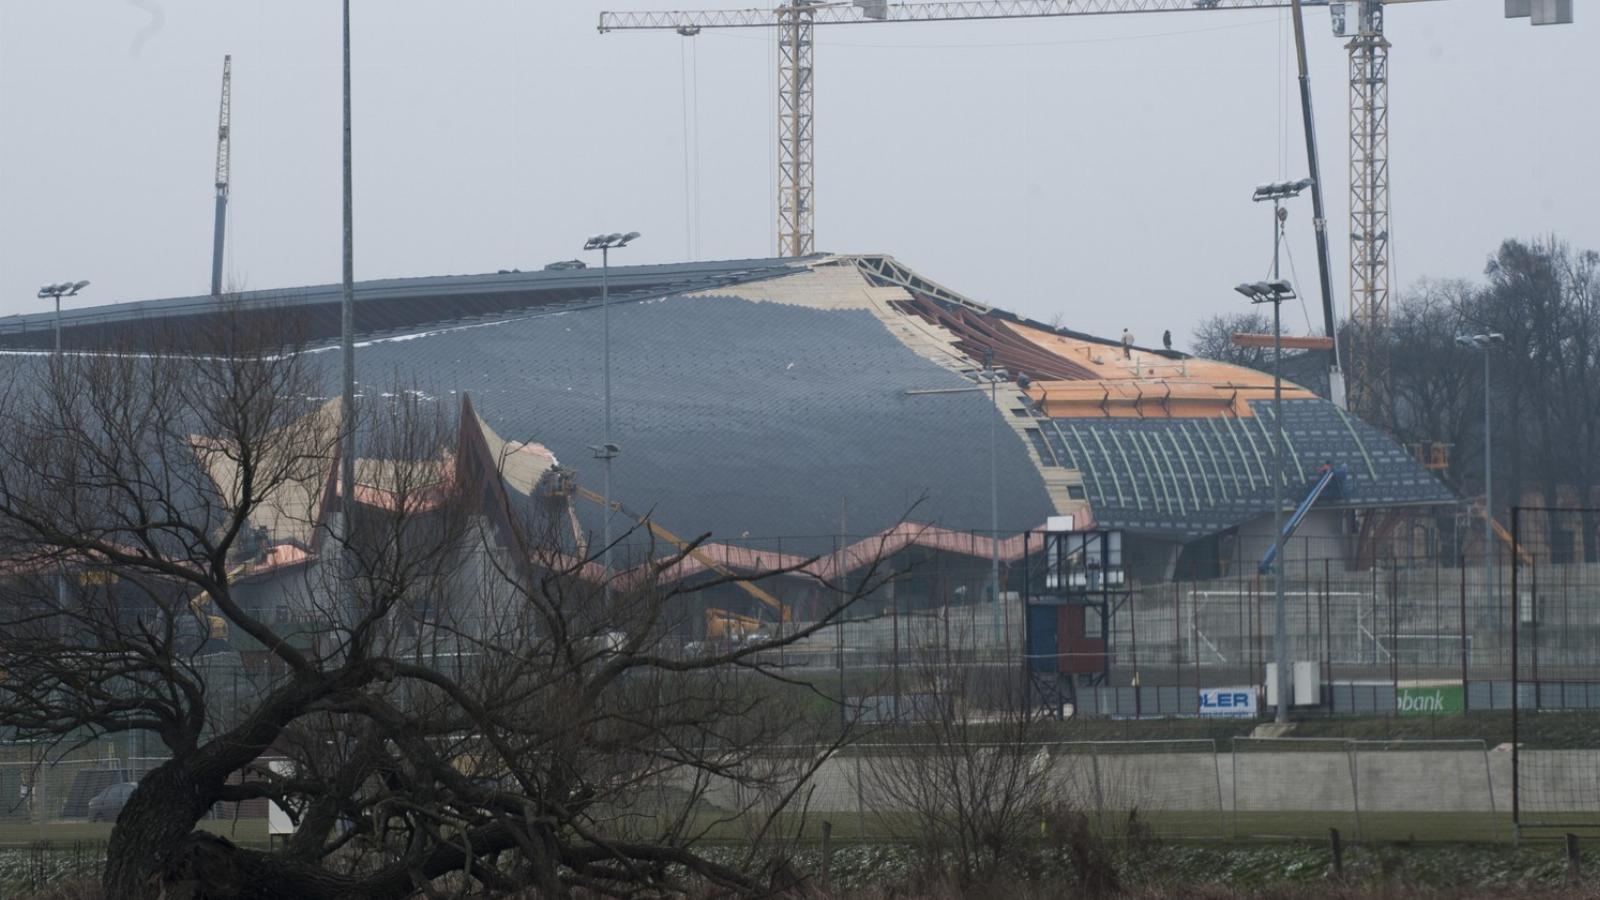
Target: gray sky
1095 167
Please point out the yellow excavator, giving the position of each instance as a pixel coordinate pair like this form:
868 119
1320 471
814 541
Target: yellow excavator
720 623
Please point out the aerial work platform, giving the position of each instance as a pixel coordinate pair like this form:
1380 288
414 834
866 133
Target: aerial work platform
1329 477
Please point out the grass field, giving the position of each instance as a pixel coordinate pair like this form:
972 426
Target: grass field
245 831
1276 855
1189 826
1211 827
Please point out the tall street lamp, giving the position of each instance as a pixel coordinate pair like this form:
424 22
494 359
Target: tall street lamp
1483 343
57 291
607 450
1275 292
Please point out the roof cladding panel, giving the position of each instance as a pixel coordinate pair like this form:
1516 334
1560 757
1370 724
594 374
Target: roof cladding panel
1190 477
737 418
310 314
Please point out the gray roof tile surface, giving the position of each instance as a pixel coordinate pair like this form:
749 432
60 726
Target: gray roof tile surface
737 418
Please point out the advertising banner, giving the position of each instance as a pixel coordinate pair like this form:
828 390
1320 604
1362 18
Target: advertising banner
1232 702
1434 700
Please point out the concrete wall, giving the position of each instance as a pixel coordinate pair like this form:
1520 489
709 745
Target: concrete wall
1317 780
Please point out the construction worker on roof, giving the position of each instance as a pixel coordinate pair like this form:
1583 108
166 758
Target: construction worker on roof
1127 344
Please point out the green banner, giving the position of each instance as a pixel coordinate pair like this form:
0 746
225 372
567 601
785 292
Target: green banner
1437 700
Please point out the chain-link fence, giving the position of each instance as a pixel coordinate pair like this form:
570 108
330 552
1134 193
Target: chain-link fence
1148 649
1375 628
37 796
1555 665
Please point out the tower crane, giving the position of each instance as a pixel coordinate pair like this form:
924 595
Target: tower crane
223 150
1361 21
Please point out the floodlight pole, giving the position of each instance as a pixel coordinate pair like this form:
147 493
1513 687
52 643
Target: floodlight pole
1281 627
1277 293
347 345
994 489
56 292
1488 489
607 450
605 319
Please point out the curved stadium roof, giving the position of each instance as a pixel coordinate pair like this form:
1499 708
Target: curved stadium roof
794 398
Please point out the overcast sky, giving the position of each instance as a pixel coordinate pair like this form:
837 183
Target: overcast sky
1098 168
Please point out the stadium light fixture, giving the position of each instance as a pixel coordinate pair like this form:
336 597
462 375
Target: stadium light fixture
56 292
1281 190
610 241
1276 291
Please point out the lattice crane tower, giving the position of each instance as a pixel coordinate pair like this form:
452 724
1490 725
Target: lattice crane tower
1369 209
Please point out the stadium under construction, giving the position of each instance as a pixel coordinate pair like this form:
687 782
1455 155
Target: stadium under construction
817 413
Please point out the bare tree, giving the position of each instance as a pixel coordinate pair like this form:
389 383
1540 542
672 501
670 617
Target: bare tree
1436 389
973 771
1213 339
1541 296
460 708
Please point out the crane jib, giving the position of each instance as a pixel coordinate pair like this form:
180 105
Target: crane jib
862 12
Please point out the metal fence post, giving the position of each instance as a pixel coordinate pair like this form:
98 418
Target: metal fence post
1216 768
1233 766
1574 874
1353 751
1466 692
1099 794
1327 631
1394 626
1516 613
1133 640
1177 629
861 803
1533 626
1488 776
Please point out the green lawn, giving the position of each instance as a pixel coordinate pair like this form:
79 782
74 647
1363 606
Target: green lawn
1211 827
245 831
